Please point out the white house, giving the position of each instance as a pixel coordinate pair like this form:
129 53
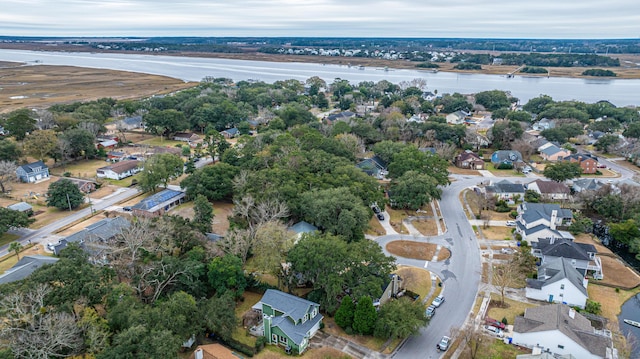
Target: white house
558 282
561 330
119 170
457 118
582 256
550 215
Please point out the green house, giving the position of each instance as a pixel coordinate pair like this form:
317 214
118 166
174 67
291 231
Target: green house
288 320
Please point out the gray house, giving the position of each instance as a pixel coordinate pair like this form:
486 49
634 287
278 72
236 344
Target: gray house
25 266
582 256
558 282
93 237
507 157
33 172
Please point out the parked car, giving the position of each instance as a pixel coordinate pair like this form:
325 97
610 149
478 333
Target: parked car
511 223
375 209
495 323
494 331
126 208
380 216
444 343
431 311
506 250
439 300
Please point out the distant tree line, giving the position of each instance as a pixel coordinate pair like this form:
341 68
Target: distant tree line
538 59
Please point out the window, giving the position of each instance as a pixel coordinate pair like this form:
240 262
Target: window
561 286
274 338
283 340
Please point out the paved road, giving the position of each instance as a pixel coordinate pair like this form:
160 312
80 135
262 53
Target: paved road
41 235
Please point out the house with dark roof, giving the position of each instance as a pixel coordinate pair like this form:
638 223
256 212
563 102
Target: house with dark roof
230 133
510 157
582 256
554 153
33 172
550 190
342 116
559 329
129 123
586 184
373 166
85 186
505 190
25 266
539 143
288 320
540 220
92 239
558 282
469 160
588 164
158 203
119 170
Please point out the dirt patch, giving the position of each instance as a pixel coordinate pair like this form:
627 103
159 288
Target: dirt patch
485 272
617 274
462 171
221 211
103 191
41 86
510 310
495 232
444 254
411 249
426 226
501 256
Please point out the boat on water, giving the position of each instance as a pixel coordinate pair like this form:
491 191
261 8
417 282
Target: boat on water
632 322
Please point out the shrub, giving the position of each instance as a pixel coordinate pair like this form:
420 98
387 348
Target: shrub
428 65
504 166
524 243
260 343
534 70
513 214
66 174
467 66
504 321
599 72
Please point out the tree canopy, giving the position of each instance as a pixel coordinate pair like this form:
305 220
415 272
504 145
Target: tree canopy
64 194
562 171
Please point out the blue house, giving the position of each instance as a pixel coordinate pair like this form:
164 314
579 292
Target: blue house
33 172
506 157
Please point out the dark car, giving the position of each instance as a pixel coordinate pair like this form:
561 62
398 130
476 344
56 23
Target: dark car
375 209
380 216
431 310
127 208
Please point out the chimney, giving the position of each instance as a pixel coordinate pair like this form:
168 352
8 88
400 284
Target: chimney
199 354
572 313
554 218
585 282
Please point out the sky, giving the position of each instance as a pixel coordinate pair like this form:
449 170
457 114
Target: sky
549 19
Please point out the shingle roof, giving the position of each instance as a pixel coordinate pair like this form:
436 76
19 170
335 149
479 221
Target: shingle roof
468 155
551 187
557 317
587 184
506 187
31 167
557 269
157 199
532 212
303 227
552 150
506 156
295 332
564 248
294 307
25 266
136 120
121 167
102 231
20 207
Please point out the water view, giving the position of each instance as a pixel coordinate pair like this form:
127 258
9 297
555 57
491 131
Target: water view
618 91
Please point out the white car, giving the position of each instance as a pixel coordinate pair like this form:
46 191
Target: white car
494 331
511 223
439 300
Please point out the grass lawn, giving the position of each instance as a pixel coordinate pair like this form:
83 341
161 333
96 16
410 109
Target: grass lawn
426 226
81 168
158 141
276 352
474 208
443 254
368 341
417 280
397 216
50 215
498 349
375 228
240 333
495 232
511 311
411 249
502 173
10 260
125 182
610 301
7 238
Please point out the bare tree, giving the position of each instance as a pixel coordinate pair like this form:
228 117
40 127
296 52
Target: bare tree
93 127
272 242
352 142
7 173
504 276
237 242
524 147
34 331
446 150
471 339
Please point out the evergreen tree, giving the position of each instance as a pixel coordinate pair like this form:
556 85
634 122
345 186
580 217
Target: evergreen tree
344 314
203 214
64 194
365 316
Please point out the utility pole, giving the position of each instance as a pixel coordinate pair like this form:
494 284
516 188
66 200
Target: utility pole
69 202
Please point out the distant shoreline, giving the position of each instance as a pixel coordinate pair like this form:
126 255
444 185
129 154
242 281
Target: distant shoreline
566 72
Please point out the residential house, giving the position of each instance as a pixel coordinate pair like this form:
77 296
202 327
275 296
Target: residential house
418 118
186 137
544 124
342 116
537 353
582 256
588 164
301 228
507 157
159 203
390 289
107 145
554 153
25 266
119 170
22 207
85 186
373 166
115 156
540 220
540 143
429 96
558 282
586 184
505 190
288 320
214 351
550 190
469 160
457 118
129 123
230 133
559 329
92 239
33 172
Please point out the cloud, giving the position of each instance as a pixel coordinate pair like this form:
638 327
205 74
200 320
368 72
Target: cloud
376 18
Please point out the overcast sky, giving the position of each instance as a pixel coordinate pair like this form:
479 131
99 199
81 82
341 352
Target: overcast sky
331 18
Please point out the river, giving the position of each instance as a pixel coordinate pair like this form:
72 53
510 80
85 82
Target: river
631 310
621 92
